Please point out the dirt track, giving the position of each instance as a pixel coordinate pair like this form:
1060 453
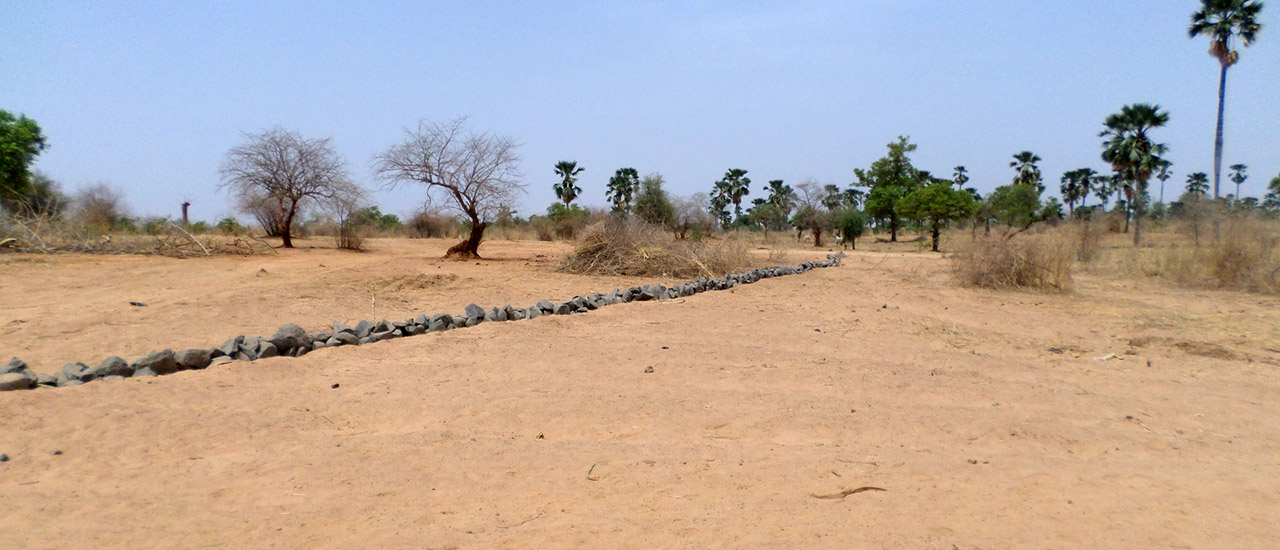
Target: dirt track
986 417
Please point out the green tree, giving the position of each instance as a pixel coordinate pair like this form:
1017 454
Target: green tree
1028 169
653 205
1197 183
1015 206
1075 187
937 205
21 140
565 189
960 177
1225 22
736 185
782 196
1238 176
813 219
1163 174
890 179
621 189
719 204
767 215
1129 149
850 223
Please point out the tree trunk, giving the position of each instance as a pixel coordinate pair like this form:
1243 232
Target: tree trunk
1137 217
1127 209
469 248
937 234
1217 140
817 236
186 220
286 232
893 229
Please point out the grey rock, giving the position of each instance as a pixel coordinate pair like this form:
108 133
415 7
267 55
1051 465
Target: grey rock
363 328
43 379
111 366
140 373
563 308
474 311
219 361
320 336
159 362
460 321
64 382
344 339
290 336
384 335
267 349
533 312
367 340
422 319
10 381
382 326
415 329
339 326
546 307
18 366
194 358
75 371
317 344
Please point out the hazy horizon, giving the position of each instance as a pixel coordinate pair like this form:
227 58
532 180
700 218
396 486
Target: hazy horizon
149 97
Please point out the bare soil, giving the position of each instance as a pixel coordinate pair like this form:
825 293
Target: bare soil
1123 414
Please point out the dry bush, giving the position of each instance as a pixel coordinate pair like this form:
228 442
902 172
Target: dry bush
432 224
544 228
1246 256
1040 262
631 247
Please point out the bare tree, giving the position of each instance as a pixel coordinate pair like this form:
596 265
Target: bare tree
286 168
692 213
473 173
347 201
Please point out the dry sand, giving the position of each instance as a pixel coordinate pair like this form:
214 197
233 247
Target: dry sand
986 417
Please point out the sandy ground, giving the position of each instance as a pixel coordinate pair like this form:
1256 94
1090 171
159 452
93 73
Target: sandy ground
986 417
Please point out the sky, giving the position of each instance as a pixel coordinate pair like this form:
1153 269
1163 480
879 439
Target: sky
150 96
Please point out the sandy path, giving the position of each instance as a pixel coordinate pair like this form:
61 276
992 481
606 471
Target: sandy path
879 373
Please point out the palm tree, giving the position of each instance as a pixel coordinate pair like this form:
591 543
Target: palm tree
568 172
1028 172
1163 174
1075 188
1238 176
782 196
961 177
621 188
720 201
1101 185
1198 183
1223 21
736 186
1131 152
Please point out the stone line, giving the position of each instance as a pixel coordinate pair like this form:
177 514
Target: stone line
292 341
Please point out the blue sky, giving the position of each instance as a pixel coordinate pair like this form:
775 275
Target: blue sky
149 96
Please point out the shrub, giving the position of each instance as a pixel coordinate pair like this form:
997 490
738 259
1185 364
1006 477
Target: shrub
230 226
100 208
1041 262
432 224
632 247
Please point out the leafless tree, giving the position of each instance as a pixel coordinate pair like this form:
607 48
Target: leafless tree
473 173
692 213
348 200
285 167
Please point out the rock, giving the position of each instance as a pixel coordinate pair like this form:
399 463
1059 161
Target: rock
317 344
380 336
533 312
474 311
111 366
563 308
339 326
140 373
10 381
267 349
290 336
382 326
113 377
43 379
18 367
75 371
460 321
363 328
415 329
194 358
344 339
158 362
422 319
320 336
230 347
546 307
216 361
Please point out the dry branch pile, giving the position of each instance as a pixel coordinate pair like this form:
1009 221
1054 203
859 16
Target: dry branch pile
631 247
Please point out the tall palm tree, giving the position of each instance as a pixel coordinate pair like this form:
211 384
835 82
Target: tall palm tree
621 188
1223 21
1101 185
1129 149
1028 171
782 196
961 177
565 189
1238 176
1163 174
1197 183
736 186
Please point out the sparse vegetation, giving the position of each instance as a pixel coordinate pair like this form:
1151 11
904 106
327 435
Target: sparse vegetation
630 246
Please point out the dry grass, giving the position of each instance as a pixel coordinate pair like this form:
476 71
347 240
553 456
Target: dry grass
49 235
633 248
1039 262
1245 256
